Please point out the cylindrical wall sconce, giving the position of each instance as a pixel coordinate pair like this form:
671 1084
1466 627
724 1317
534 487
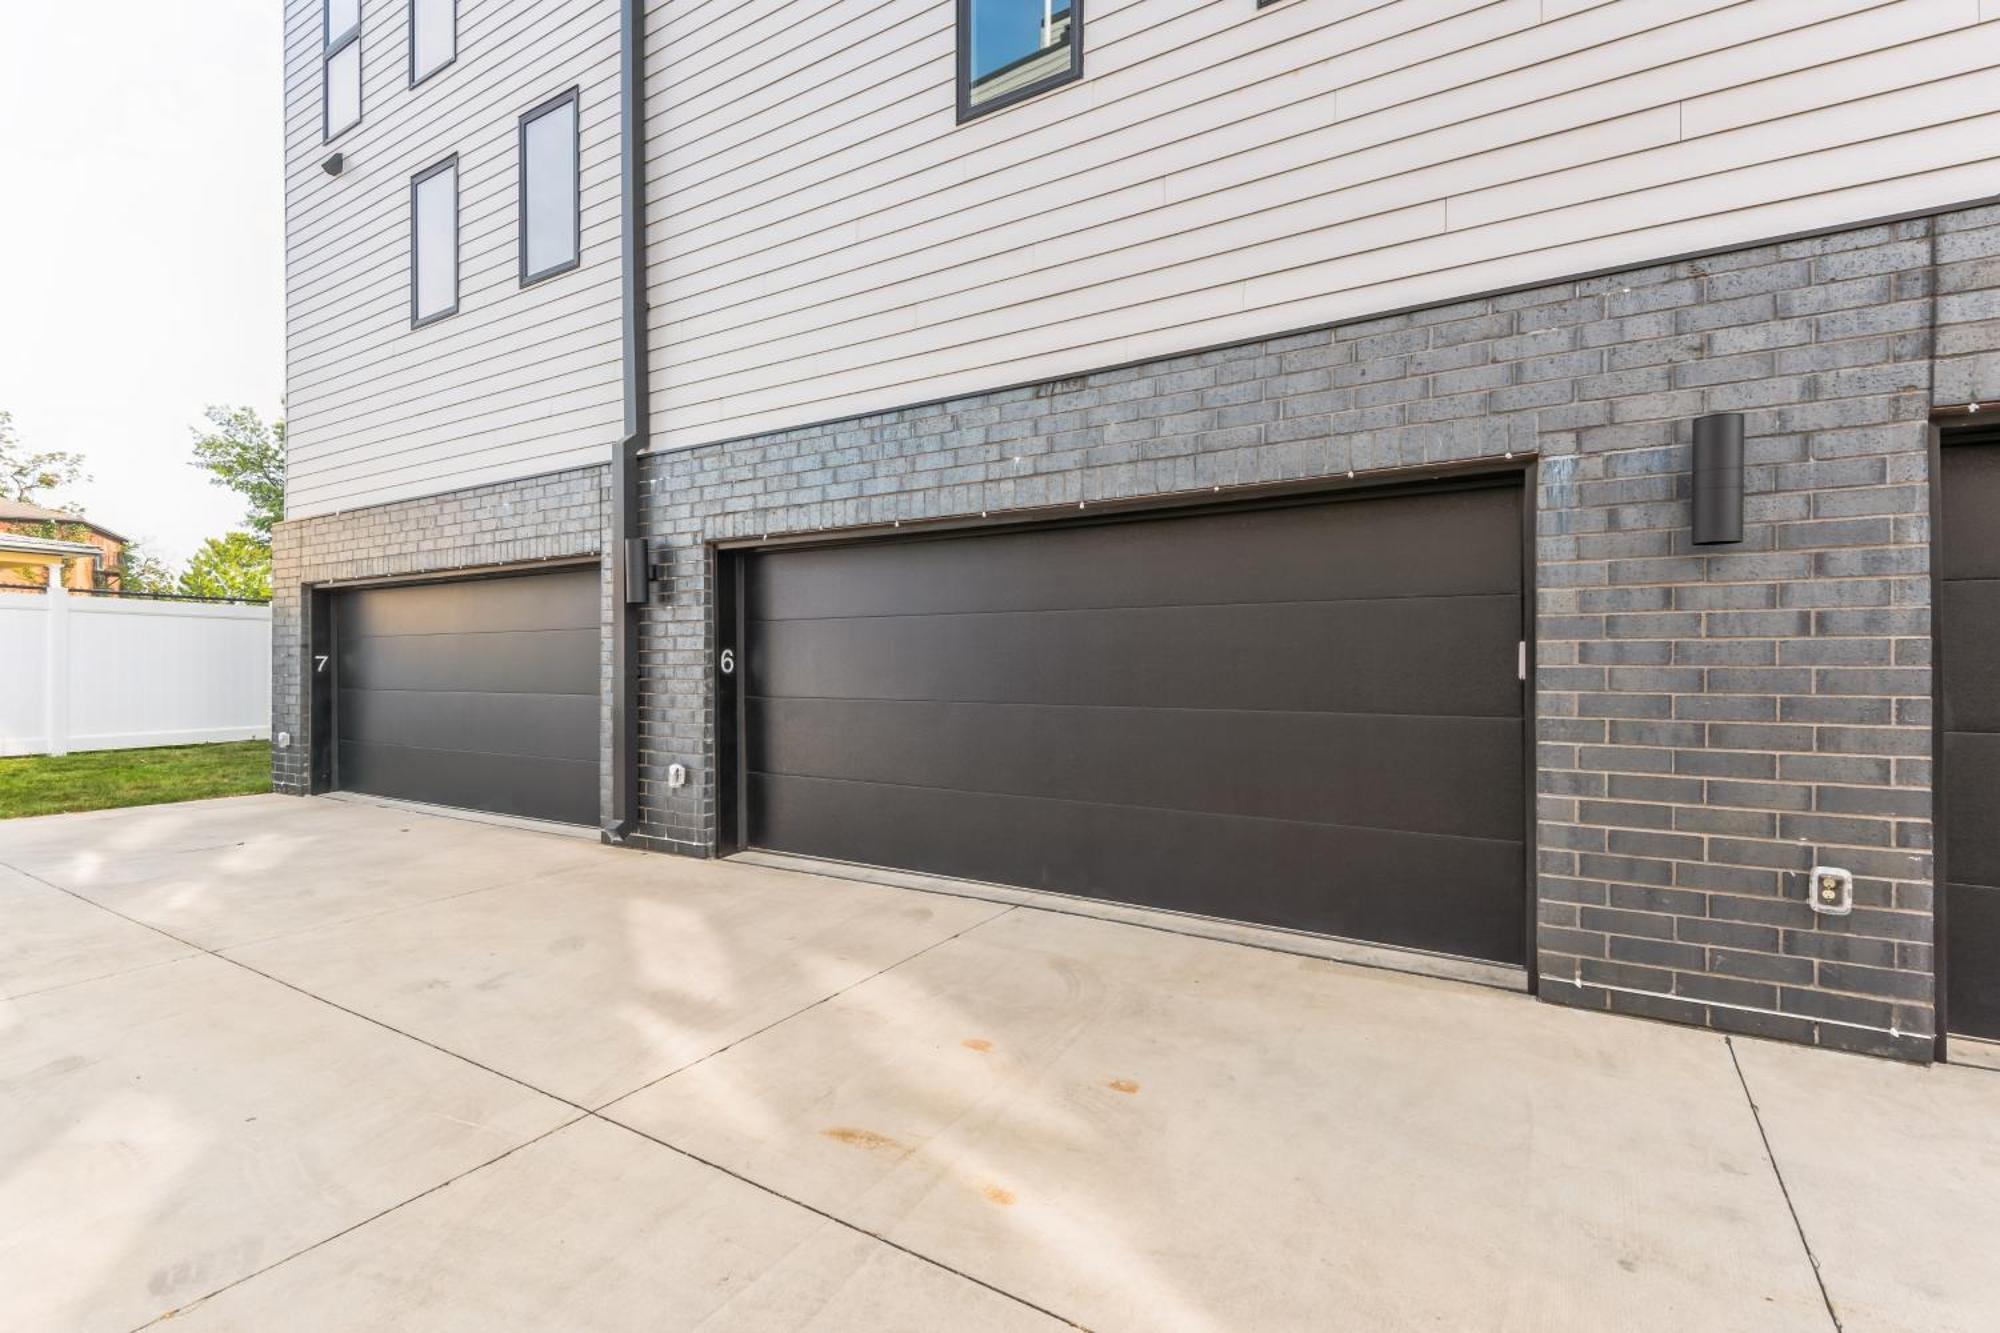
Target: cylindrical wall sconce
1718 478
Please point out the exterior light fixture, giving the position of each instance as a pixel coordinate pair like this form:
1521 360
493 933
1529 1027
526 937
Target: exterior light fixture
334 165
1718 479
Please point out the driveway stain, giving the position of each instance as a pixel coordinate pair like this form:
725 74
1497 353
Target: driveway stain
862 1138
1124 1085
999 1194
976 1044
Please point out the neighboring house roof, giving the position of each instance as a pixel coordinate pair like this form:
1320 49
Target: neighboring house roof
20 511
18 542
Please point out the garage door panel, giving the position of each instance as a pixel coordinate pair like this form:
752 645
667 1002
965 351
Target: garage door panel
1972 806
501 662
1397 547
1972 941
528 786
1453 895
1971 497
481 693
550 726
1415 773
567 599
1430 655
1305 716
1969 625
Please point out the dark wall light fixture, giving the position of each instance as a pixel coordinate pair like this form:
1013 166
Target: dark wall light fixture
334 165
1718 479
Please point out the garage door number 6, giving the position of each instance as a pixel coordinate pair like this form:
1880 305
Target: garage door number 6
728 662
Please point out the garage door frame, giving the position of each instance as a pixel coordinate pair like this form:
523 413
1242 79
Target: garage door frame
319 668
730 559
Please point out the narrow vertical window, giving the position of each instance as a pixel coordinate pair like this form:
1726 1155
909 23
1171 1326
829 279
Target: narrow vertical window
434 243
1012 49
340 68
549 221
433 37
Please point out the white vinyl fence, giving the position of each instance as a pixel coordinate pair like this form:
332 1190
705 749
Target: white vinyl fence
106 673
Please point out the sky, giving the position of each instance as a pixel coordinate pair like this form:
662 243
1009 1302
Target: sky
142 225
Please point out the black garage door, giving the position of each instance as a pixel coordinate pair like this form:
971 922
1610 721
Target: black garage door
1969 657
481 694
1305 716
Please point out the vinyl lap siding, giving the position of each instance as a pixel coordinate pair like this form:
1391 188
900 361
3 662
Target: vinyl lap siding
825 239
518 382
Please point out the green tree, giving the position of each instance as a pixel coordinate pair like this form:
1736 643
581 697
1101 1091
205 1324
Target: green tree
245 454
29 477
236 564
138 571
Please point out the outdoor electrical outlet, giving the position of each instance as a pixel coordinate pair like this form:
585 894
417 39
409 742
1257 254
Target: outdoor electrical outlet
677 775
1832 891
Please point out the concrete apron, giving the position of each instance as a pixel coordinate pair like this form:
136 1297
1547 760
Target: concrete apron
1304 943
301 1064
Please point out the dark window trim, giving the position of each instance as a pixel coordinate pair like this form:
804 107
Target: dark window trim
574 97
436 168
428 75
331 45
967 111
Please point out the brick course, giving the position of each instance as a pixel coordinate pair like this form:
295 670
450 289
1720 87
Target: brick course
1710 721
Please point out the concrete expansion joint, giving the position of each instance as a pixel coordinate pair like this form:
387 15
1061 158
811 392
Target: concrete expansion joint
1778 1174
583 1112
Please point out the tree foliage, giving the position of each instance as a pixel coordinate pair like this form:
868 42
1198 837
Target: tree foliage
236 564
138 571
247 455
28 476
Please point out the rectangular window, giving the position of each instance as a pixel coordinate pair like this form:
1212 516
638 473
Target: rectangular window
434 243
340 68
1012 49
342 18
433 37
549 222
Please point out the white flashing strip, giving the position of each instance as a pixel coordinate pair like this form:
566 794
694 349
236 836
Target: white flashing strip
1739 1008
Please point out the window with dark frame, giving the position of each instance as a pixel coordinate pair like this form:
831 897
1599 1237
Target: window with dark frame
1010 50
340 68
550 223
433 37
434 243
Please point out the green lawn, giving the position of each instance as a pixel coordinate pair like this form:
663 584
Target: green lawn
101 779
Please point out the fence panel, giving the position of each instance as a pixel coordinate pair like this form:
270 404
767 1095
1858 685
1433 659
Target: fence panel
24 664
107 673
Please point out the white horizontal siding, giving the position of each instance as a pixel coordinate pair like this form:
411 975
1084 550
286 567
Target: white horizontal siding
824 239
519 381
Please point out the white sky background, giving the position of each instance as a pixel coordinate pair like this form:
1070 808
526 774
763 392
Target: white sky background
141 243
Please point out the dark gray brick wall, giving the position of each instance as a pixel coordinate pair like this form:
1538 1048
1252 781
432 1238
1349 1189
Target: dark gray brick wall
560 515
1710 721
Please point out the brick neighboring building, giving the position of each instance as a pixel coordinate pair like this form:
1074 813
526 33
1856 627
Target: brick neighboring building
1247 474
83 574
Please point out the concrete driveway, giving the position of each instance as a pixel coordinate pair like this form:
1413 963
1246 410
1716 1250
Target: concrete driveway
308 1064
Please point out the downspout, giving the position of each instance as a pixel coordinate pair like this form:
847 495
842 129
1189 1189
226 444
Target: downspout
631 573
